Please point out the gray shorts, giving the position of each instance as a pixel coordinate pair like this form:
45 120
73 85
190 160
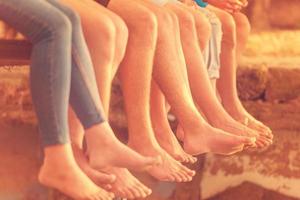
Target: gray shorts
212 52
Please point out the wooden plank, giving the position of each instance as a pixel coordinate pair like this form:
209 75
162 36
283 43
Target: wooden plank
14 52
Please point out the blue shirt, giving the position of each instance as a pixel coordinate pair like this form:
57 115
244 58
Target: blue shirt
201 3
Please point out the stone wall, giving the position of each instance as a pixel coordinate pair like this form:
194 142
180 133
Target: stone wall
266 14
270 93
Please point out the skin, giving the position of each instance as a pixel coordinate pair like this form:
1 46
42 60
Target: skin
179 97
67 177
135 76
107 50
201 88
236 29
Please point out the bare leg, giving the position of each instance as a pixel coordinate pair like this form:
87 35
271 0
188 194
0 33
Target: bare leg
226 85
201 87
135 76
242 33
162 129
108 141
163 132
167 74
68 180
115 31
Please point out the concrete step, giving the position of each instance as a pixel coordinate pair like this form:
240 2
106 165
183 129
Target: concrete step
269 93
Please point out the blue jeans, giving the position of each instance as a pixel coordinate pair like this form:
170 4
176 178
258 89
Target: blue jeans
61 68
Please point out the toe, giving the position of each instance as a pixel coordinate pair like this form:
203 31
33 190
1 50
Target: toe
186 158
248 140
129 193
136 192
179 157
178 177
120 192
146 190
143 194
188 171
191 159
188 176
185 177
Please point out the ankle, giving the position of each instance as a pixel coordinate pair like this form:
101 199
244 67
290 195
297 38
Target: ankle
142 143
235 110
101 133
61 161
192 121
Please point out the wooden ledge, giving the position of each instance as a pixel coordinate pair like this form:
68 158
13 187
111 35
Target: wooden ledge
14 52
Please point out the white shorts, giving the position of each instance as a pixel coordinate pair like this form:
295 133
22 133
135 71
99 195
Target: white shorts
211 54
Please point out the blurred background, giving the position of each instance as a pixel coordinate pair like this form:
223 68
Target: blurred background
268 83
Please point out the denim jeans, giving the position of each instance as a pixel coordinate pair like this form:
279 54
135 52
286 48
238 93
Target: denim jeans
61 68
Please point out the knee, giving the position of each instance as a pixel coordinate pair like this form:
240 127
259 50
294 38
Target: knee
147 24
60 27
121 32
186 19
73 17
106 31
229 30
103 38
165 19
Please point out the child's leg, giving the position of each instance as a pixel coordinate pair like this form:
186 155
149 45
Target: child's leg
243 29
216 115
50 32
164 135
163 132
96 19
99 137
135 74
198 130
115 38
171 170
242 32
226 85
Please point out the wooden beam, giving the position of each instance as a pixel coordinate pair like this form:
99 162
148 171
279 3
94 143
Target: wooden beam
14 52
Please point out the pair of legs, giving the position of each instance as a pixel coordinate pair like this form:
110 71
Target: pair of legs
135 76
171 80
193 39
55 32
126 185
236 29
194 42
107 51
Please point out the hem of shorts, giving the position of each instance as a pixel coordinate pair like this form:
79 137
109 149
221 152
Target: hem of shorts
213 74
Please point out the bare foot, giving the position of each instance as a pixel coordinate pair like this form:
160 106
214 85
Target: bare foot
104 149
236 128
61 172
168 141
203 139
239 113
99 178
253 123
169 170
126 185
